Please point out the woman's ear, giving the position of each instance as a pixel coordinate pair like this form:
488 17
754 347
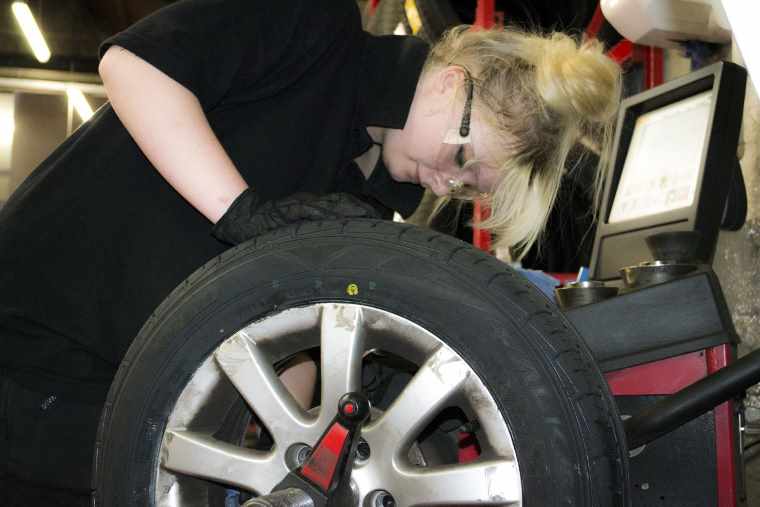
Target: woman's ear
450 79
438 89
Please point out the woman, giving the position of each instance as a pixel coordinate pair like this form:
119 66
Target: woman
228 118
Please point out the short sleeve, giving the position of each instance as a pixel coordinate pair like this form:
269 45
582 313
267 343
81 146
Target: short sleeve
202 44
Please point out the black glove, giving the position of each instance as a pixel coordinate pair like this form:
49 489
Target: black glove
248 217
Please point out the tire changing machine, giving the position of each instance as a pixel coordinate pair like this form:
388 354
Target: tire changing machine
654 313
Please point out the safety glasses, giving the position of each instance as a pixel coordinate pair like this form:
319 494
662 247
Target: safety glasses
465 176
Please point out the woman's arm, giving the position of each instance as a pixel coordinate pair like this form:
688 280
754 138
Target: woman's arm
168 124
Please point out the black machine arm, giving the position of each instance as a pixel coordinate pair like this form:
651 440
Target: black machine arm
689 403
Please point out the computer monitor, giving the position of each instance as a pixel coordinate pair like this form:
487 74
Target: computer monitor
662 167
671 166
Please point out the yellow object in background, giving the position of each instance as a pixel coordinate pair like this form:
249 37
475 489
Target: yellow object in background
413 16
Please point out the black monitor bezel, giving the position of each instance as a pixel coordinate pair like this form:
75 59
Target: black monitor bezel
727 82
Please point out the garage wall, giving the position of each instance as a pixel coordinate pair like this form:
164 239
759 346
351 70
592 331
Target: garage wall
6 141
40 122
40 128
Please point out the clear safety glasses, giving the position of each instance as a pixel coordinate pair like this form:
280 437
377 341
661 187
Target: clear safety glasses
465 176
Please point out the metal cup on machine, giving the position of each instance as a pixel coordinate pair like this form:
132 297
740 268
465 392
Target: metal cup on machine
575 294
649 273
676 253
675 246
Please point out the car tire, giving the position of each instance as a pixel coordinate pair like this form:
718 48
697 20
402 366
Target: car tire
547 392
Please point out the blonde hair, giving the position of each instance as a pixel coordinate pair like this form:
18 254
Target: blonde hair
542 94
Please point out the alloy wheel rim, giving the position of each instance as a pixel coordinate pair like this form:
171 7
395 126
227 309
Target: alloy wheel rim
244 365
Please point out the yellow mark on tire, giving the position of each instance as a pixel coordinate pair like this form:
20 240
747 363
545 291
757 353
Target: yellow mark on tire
413 16
352 289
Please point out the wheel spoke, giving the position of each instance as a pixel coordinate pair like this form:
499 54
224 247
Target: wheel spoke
425 395
342 346
202 456
486 483
254 377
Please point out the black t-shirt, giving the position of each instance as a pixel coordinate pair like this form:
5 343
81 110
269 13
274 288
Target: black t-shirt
95 238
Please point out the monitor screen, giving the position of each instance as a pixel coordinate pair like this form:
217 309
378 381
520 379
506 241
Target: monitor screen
662 166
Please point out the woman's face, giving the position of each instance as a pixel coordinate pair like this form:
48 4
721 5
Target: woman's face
418 154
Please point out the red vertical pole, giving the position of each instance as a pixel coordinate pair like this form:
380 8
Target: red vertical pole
480 237
596 23
484 13
653 66
484 18
622 51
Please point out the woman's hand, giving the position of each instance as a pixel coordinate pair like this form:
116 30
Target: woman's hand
248 217
168 124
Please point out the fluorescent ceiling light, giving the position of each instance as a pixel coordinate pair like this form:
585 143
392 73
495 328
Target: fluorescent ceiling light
31 31
76 97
